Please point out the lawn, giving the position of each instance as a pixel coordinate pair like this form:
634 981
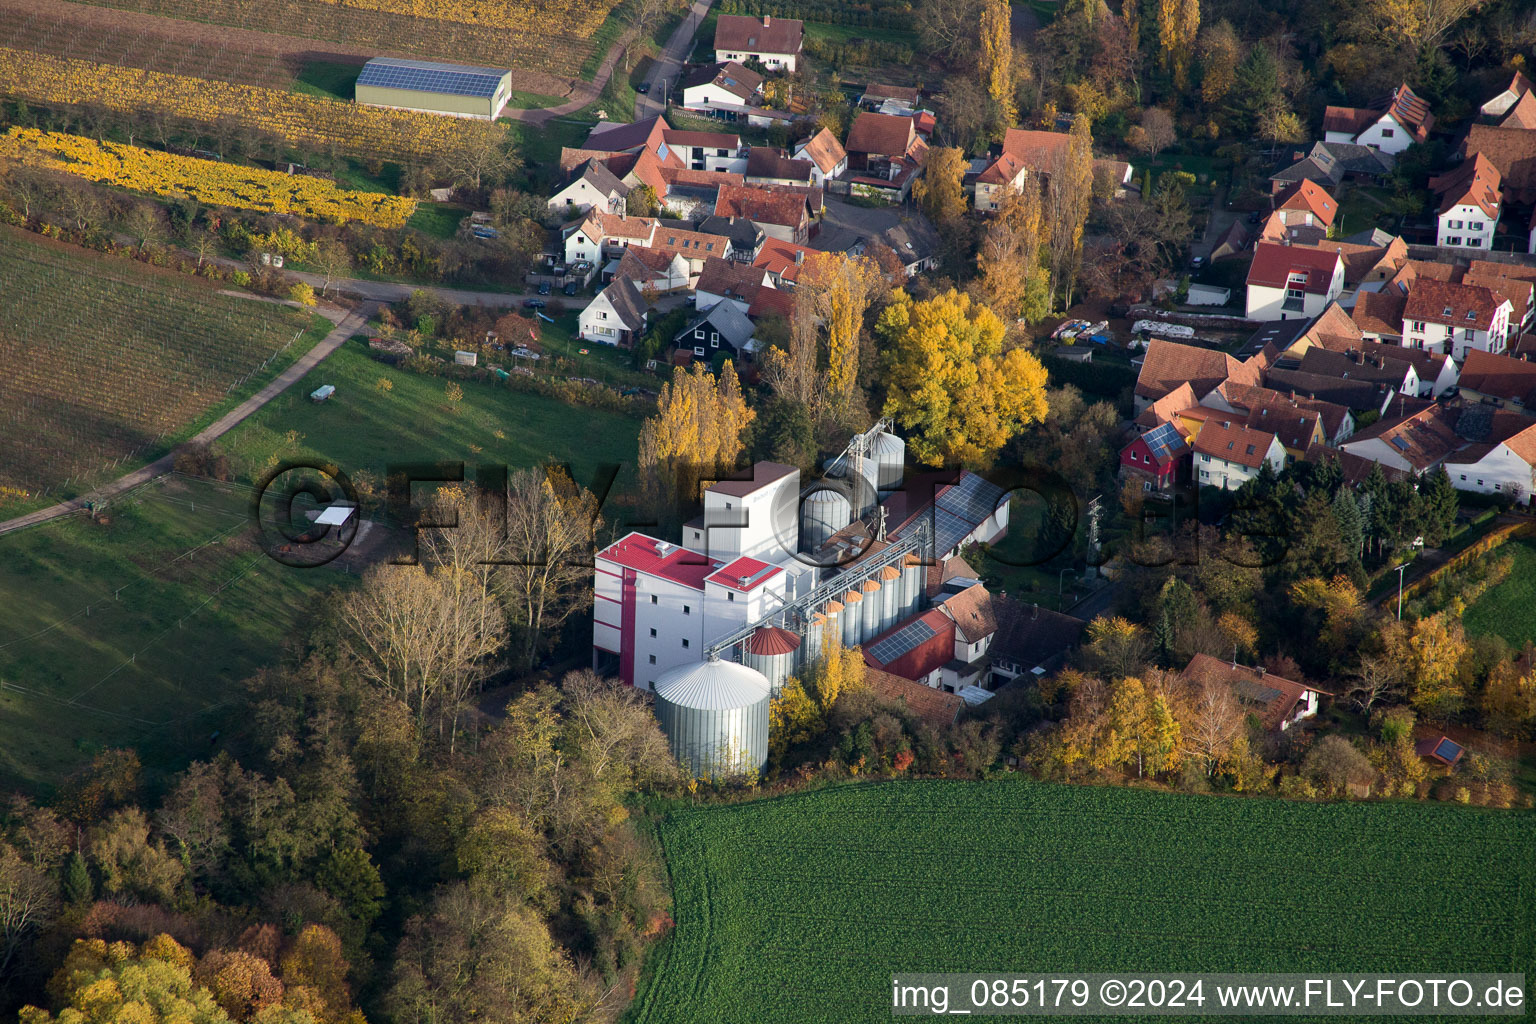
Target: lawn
1361 208
106 362
843 33
437 219
138 631
328 80
799 909
362 428
1505 610
533 100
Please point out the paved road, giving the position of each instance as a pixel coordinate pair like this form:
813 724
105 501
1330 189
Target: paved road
669 64
346 326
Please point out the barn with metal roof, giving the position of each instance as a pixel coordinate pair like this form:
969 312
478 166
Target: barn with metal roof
458 90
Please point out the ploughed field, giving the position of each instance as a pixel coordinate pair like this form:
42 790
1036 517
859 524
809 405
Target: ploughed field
799 909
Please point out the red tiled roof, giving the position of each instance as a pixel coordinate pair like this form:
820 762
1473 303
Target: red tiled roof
771 640
932 705
1351 120
1001 171
780 258
764 162
1411 112
763 204
726 277
710 140
1523 444
908 95
1522 114
691 244
1166 408
1474 183
1499 376
1274 264
1169 364
1421 438
972 611
759 35
1230 440
888 135
772 302
1380 313
825 151
1041 152
1511 150
667 561
1308 197
1454 305
1275 695
763 474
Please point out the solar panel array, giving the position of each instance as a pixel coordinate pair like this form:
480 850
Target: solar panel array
900 642
1448 749
430 76
1165 440
961 508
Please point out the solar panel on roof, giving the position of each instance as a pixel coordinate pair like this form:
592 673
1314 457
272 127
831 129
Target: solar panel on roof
430 76
1447 749
1400 444
900 642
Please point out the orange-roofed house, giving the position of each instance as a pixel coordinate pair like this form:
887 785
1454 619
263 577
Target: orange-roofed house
1470 198
1505 467
1500 105
1290 282
1498 380
826 153
1303 213
773 42
1004 175
1453 318
1228 454
1278 702
1390 126
1169 366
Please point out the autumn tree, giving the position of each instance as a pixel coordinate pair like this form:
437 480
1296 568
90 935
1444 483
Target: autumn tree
28 902
1068 200
1116 647
1211 725
950 384
1011 282
840 288
938 192
332 259
696 433
1335 765
1156 131
1178 21
1509 696
1420 26
1220 51
129 863
1436 646
121 982
948 27
996 38
482 154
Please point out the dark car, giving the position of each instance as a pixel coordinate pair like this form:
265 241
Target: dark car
533 303
570 288
543 287
643 88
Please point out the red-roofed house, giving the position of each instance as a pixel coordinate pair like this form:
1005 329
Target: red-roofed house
1500 381
1004 175
876 142
1229 454
1302 213
1499 106
1278 702
1169 365
1498 467
917 649
1444 316
773 42
1157 458
782 211
1415 443
1390 126
1289 282
783 260
826 153
1469 204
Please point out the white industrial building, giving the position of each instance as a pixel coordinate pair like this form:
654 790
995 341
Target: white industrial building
773 564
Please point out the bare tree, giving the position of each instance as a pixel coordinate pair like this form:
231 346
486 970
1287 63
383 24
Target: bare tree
28 901
550 530
949 27
1157 127
1215 722
333 261
28 187
482 152
1377 679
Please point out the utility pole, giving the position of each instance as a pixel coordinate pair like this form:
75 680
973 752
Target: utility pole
1400 591
1095 510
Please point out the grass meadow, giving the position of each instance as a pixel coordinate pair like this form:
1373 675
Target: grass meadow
1506 610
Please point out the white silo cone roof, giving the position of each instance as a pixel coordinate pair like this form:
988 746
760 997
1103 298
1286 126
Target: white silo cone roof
713 686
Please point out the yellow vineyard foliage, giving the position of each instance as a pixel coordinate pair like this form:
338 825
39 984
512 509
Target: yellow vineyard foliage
310 120
217 184
577 17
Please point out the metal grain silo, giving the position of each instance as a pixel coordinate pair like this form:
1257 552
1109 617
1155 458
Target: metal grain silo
890 597
911 584
865 481
715 715
815 632
772 651
890 455
823 513
853 617
873 606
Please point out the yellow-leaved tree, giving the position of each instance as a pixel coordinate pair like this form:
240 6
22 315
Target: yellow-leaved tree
695 434
840 288
959 396
997 59
940 192
799 711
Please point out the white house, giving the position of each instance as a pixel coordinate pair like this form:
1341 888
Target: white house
825 153
1229 454
1292 282
1390 126
707 151
593 186
756 518
1469 204
1444 316
1508 467
721 86
773 42
616 316
1415 443
1500 104
661 269
603 236
1002 176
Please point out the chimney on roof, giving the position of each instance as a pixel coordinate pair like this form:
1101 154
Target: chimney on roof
1261 671
799 256
767 20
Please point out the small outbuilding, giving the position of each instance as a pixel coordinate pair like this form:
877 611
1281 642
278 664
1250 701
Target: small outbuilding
458 90
1440 749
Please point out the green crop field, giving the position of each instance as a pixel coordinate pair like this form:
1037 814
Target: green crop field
1505 610
138 631
103 359
799 909
363 429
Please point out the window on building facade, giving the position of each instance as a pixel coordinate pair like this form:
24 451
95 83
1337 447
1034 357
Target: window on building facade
653 599
687 610
653 659
653 632
685 642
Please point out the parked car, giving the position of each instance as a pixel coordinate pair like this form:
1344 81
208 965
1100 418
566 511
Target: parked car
643 88
533 303
1196 262
570 288
543 287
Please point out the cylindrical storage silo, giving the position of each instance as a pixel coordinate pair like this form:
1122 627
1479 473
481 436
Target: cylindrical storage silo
873 604
865 482
815 633
772 652
715 715
853 617
822 514
890 455
890 597
911 585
